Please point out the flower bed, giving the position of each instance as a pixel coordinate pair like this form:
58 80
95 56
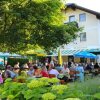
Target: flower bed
49 89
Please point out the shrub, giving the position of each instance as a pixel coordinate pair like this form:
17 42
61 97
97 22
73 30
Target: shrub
42 89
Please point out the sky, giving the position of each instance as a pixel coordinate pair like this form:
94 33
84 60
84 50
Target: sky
90 4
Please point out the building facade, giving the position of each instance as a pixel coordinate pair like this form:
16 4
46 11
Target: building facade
89 37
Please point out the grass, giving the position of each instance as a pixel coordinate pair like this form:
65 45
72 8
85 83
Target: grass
84 90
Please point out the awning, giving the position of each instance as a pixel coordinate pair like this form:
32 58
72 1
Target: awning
69 52
94 50
66 52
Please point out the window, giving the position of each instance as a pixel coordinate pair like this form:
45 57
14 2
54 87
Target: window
82 17
71 18
83 36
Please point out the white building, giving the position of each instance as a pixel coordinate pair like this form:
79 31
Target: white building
89 37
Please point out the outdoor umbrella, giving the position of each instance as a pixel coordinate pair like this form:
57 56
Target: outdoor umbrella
84 54
60 57
6 55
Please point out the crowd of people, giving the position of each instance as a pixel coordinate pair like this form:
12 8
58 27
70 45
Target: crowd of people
69 71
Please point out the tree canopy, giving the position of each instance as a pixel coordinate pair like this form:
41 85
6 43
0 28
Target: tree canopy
27 23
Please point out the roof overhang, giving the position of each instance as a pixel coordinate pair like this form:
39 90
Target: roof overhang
74 7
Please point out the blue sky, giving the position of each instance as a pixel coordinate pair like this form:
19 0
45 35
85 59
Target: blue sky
91 4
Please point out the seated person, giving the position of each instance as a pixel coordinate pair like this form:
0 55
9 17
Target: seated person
9 73
16 69
31 71
96 69
88 68
44 72
61 76
37 72
65 70
26 67
52 71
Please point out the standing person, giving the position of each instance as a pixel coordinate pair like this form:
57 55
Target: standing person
80 72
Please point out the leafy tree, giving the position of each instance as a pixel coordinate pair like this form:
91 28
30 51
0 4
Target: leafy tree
26 23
